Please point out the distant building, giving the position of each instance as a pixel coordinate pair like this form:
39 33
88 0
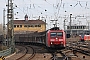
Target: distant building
76 29
79 27
29 26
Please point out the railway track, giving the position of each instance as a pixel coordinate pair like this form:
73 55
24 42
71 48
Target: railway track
33 54
59 54
80 48
23 53
66 54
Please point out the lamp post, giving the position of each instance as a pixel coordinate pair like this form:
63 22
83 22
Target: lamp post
70 24
64 24
4 34
45 19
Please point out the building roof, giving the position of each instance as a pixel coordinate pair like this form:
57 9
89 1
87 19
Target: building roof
29 22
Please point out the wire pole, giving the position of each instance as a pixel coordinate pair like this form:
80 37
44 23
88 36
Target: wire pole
45 23
7 24
10 30
70 24
4 34
64 25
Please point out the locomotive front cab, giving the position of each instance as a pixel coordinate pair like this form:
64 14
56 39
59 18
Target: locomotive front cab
56 38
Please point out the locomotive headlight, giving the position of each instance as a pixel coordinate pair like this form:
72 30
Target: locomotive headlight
51 42
56 38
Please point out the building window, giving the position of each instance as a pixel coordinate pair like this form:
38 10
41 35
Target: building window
73 27
77 27
20 26
28 25
67 27
14 26
36 26
32 25
17 25
25 25
83 27
39 25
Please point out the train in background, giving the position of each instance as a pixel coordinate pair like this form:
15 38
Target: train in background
53 37
84 37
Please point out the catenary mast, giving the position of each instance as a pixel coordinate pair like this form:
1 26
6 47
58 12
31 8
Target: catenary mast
10 30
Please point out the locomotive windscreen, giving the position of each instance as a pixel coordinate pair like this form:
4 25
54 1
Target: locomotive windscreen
54 34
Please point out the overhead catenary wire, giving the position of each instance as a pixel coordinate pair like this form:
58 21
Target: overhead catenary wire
20 9
30 6
58 6
78 2
34 5
41 10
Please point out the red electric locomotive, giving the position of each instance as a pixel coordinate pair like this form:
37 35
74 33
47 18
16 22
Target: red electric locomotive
55 38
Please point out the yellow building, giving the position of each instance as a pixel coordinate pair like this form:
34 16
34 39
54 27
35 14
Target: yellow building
27 26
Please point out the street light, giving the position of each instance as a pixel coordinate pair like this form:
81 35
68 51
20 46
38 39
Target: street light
70 24
64 24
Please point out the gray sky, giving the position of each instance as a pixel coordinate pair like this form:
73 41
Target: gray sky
55 9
